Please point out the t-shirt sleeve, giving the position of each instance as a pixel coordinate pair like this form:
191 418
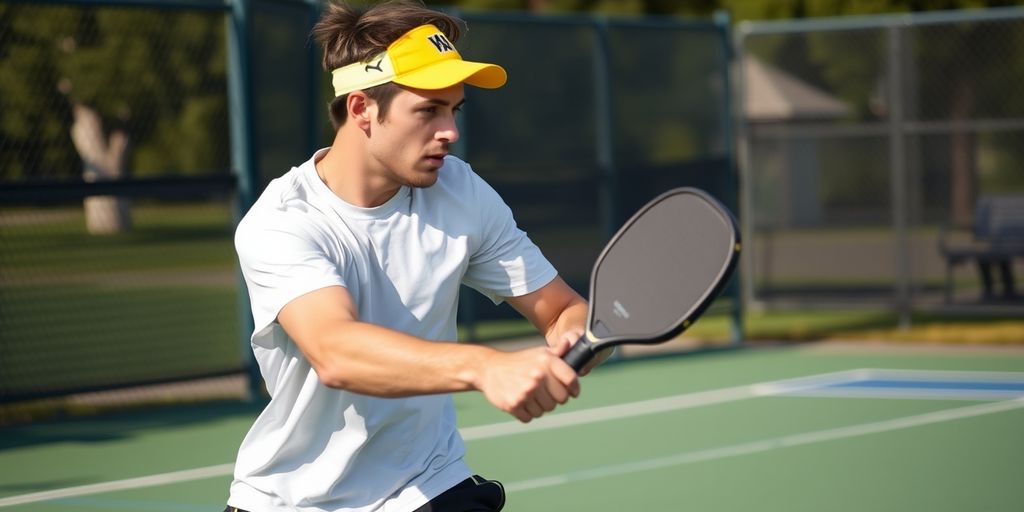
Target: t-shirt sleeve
505 262
280 261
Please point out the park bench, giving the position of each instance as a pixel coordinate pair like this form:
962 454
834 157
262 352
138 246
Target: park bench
997 238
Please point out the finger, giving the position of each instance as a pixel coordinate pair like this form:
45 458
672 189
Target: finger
574 388
572 337
533 409
521 414
561 346
546 398
567 377
558 391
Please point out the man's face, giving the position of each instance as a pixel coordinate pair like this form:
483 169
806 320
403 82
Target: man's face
409 146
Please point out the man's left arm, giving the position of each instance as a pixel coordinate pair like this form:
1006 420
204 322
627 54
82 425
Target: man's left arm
560 314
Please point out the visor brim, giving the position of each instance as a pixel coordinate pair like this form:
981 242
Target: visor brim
446 73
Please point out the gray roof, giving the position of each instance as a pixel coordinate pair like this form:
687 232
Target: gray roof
770 94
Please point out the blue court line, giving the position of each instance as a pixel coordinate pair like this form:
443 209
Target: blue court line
943 385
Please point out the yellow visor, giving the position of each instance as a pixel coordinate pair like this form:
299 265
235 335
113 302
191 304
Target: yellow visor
422 58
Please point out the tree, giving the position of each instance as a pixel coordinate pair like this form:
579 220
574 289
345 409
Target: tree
106 92
154 77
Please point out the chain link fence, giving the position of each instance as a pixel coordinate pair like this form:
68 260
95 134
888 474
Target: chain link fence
117 200
866 145
133 134
614 113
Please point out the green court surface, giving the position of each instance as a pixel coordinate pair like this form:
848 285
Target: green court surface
875 428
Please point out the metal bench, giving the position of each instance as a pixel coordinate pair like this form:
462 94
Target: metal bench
997 238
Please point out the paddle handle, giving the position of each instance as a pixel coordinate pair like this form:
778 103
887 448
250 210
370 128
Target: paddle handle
580 354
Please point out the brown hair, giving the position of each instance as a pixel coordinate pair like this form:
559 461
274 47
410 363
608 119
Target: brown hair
348 34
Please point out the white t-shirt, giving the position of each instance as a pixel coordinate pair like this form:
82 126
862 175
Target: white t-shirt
320 449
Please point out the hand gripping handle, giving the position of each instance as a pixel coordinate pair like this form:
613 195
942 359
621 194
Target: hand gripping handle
580 354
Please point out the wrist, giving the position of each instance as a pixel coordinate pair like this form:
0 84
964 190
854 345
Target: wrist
473 365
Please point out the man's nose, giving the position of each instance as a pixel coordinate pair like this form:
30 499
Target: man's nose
449 132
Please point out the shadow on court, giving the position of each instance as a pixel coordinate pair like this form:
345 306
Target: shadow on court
124 425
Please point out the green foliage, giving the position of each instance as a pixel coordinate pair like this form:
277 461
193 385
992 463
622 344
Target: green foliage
159 75
739 9
792 9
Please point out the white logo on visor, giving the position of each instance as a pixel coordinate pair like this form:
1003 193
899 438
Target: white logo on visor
441 43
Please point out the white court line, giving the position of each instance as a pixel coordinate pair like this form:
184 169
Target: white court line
611 412
817 385
913 394
567 419
657 405
561 420
120 485
952 375
767 445
470 433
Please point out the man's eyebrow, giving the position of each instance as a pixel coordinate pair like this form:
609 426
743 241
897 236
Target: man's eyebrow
445 103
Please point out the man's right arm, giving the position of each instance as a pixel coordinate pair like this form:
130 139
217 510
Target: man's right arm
369 359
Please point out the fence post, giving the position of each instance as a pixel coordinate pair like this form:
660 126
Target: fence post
605 144
242 161
898 185
314 104
722 23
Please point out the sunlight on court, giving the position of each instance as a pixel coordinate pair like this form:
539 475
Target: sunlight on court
755 428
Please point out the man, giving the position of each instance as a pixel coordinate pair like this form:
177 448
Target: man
353 262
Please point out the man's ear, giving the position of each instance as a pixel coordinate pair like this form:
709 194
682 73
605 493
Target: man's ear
361 109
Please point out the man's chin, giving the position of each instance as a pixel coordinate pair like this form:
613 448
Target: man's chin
424 179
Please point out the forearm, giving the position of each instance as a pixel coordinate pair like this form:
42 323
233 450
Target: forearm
373 360
556 310
570 322
561 315
524 383
349 354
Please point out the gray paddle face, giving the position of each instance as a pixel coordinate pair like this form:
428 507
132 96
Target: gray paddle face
662 268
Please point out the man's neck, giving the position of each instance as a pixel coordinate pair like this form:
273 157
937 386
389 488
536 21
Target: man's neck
346 172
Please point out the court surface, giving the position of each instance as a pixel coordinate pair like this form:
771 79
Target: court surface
818 427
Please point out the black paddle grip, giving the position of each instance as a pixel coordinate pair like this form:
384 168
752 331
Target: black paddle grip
580 354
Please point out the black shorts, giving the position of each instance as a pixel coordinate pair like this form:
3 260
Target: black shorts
474 494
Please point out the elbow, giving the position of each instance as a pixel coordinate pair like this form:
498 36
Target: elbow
334 382
333 367
333 376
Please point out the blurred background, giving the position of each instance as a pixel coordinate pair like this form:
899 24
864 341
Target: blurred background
873 151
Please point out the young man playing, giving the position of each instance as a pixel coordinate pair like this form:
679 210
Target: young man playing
353 263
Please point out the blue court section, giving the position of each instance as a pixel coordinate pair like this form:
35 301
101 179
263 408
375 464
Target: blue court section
941 385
